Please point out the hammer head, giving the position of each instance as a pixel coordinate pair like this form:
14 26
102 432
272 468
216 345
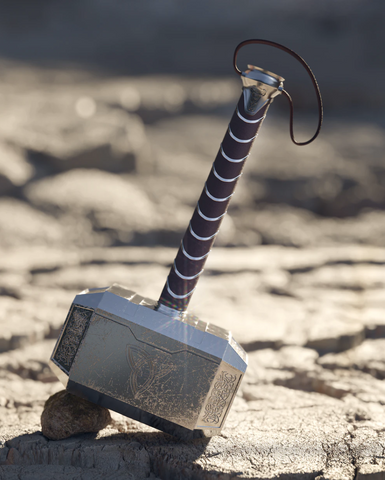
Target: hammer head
179 375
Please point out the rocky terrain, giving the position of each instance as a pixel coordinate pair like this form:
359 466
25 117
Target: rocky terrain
98 179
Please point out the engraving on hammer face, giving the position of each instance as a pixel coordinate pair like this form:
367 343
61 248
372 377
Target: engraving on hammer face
143 370
72 336
218 399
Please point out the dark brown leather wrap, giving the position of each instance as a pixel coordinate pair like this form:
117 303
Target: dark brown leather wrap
177 291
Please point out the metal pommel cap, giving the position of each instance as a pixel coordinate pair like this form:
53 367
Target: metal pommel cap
259 87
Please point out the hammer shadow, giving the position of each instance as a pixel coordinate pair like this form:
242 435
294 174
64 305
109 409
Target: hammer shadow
19 448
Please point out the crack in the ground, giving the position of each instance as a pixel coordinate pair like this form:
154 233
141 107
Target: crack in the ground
332 263
348 439
208 271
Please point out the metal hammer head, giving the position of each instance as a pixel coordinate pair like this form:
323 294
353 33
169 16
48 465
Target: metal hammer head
179 375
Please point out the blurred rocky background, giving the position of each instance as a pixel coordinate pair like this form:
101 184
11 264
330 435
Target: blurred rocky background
111 114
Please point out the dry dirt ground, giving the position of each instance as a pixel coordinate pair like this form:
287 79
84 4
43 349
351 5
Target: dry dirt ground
98 179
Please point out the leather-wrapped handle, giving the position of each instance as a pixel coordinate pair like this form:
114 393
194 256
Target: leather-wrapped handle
211 208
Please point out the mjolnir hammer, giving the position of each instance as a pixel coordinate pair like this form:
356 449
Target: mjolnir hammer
152 361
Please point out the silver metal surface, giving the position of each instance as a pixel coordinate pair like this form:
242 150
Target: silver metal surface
178 374
170 312
259 87
263 76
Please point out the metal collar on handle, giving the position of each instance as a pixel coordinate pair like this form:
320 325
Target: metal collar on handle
307 68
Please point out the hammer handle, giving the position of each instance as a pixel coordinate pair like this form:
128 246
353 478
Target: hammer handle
211 208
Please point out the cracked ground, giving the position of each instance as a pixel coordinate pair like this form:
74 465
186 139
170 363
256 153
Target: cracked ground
98 179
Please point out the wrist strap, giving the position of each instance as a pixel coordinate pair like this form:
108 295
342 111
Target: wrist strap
306 67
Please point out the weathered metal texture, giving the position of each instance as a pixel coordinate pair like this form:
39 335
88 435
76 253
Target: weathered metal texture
179 375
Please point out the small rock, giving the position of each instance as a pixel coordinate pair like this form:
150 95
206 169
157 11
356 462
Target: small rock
65 415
